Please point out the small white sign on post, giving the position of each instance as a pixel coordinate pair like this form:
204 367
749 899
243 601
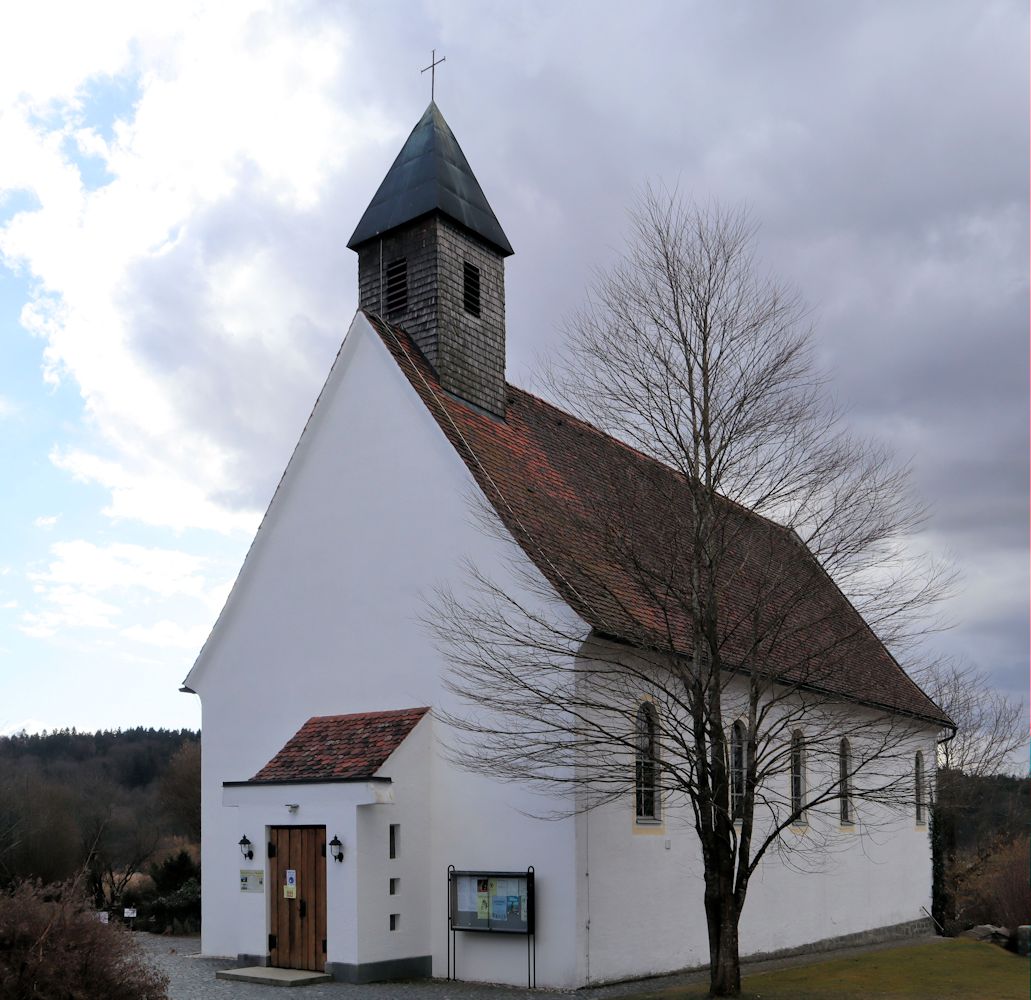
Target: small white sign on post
129 913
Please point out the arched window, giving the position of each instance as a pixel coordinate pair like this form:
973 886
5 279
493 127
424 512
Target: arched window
797 776
647 738
918 783
737 770
845 783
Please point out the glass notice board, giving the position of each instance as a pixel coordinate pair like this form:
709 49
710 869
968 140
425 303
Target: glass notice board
492 901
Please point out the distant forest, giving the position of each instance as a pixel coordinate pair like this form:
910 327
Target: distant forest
987 808
107 807
132 758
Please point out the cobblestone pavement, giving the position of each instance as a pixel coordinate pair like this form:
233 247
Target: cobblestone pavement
193 978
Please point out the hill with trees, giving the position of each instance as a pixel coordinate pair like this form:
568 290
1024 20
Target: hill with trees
103 807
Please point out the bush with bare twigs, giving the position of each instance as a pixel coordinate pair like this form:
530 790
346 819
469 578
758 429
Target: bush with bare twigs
53 947
993 887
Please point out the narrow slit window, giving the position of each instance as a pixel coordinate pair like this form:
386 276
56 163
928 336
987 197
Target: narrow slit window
395 886
471 288
396 279
845 783
395 840
737 771
647 776
395 921
797 777
918 781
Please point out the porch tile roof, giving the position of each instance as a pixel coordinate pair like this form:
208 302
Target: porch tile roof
340 747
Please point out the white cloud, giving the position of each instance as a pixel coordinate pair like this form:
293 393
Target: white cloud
7 407
122 567
152 491
46 521
22 726
49 47
167 633
67 608
89 586
160 290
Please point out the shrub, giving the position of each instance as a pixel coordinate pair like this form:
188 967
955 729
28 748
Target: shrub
53 947
176 870
996 889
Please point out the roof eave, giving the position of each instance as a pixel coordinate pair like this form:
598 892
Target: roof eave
358 779
359 240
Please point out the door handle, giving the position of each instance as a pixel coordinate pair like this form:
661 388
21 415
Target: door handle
304 909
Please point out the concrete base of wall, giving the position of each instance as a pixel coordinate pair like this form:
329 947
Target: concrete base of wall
876 935
893 932
253 960
420 967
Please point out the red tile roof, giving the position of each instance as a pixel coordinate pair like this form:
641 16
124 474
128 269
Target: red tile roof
594 515
340 747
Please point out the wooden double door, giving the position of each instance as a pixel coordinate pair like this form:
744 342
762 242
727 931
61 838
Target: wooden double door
297 875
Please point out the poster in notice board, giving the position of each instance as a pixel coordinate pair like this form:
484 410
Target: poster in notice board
492 901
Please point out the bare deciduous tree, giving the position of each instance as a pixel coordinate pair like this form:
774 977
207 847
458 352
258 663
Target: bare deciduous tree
119 835
989 726
754 666
989 730
179 790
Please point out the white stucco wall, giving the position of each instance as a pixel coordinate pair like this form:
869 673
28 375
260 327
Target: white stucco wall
325 619
644 914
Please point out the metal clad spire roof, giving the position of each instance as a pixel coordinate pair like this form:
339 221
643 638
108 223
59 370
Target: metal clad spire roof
430 174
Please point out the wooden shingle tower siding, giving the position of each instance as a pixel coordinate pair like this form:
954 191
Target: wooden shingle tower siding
431 259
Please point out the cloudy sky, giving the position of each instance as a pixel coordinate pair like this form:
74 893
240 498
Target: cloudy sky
178 183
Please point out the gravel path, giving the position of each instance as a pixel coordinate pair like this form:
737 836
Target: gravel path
192 977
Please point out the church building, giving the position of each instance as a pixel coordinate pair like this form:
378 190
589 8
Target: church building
337 836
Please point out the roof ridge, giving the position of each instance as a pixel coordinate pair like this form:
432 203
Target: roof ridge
423 709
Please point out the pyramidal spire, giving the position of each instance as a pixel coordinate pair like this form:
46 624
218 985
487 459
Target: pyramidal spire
430 174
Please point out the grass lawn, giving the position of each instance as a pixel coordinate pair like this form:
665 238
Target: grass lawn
953 969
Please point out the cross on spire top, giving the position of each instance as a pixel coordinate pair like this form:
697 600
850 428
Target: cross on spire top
434 63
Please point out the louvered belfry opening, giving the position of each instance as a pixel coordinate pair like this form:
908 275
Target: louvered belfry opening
395 291
471 288
431 259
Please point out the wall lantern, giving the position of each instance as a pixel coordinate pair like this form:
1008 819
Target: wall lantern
245 848
336 848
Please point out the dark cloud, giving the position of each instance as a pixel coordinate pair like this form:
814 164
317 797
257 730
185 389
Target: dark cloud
882 147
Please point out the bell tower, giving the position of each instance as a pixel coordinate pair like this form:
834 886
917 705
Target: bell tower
431 260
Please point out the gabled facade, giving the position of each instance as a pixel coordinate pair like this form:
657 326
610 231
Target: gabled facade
319 683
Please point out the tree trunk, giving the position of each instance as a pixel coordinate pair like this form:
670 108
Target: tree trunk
724 965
